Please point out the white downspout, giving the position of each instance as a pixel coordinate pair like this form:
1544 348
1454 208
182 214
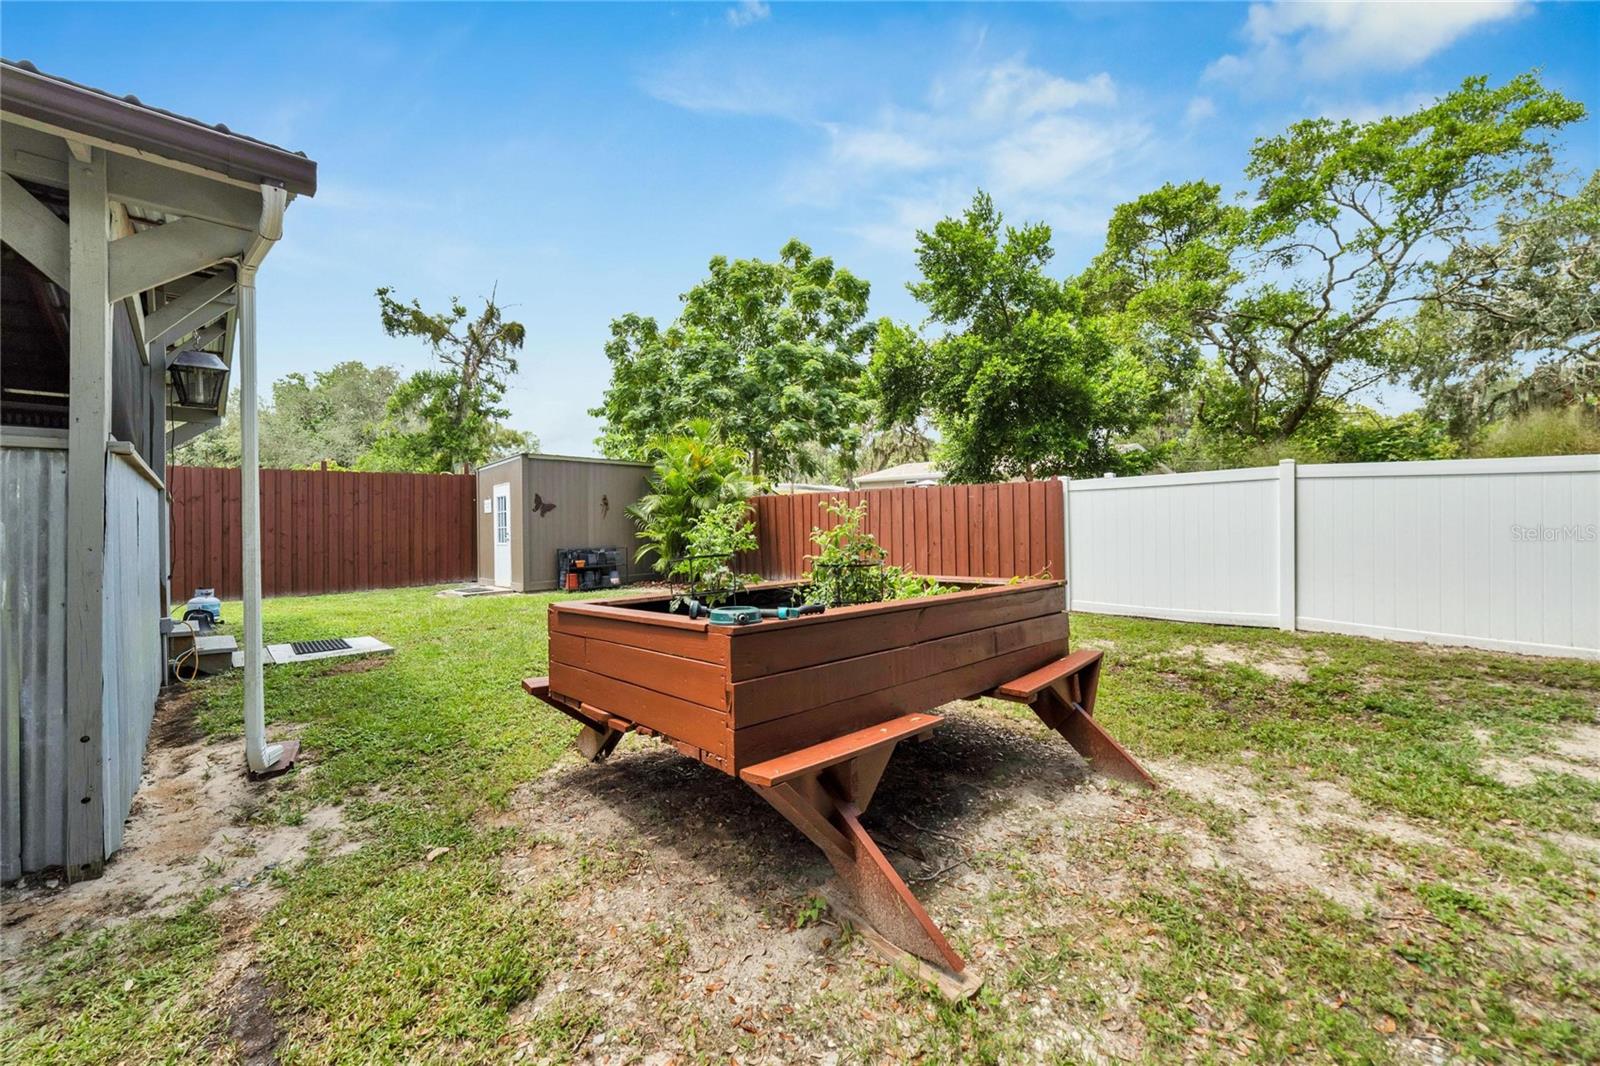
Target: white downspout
263 758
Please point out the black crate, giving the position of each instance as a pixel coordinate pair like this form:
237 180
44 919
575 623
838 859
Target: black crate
582 569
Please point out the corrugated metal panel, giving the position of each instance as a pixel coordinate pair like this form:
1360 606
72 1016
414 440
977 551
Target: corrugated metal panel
130 633
33 545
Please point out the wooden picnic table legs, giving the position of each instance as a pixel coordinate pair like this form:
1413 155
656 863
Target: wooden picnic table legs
826 807
1062 695
600 733
595 744
823 789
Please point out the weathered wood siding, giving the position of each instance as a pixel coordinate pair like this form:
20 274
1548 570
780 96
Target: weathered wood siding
741 695
820 677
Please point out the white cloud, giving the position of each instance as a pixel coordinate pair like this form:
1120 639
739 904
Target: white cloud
1009 126
897 219
1200 109
1037 140
877 148
1324 39
1014 90
697 83
1043 154
747 12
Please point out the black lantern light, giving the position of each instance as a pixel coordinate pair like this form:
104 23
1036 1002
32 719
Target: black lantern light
198 378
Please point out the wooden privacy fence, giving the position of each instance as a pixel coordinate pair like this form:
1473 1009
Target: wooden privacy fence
1006 530
323 530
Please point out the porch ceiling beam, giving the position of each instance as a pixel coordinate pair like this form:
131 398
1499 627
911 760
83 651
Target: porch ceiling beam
173 192
229 334
200 306
34 231
178 413
188 431
34 155
203 339
164 253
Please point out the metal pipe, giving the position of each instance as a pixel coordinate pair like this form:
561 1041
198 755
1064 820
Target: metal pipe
262 757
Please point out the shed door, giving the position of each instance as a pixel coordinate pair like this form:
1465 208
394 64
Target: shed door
502 535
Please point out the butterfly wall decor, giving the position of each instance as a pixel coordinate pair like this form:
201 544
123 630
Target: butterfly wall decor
541 506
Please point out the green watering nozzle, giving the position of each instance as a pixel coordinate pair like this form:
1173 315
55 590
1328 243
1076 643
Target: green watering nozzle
785 613
735 616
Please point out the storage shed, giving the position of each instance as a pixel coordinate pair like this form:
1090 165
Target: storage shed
532 506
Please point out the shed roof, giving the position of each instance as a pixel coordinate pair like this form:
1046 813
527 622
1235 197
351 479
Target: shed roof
29 93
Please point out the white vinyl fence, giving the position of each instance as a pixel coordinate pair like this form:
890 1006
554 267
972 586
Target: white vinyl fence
1491 553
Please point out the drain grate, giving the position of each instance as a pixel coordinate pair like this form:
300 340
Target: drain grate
314 647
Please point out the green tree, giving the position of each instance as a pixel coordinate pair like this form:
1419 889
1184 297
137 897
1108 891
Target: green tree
439 419
332 415
1295 296
767 352
1020 383
1527 294
694 472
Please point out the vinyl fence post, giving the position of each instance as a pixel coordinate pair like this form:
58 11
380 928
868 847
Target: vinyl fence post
1066 537
1286 545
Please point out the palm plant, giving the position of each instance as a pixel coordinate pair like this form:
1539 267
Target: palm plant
694 472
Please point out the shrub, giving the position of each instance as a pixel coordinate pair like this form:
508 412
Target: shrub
1541 432
849 567
693 472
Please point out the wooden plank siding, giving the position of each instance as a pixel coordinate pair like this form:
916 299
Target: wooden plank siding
1002 531
323 530
742 695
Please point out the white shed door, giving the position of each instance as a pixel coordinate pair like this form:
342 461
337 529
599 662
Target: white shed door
502 535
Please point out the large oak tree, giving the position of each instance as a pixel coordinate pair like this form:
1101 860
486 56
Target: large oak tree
1293 293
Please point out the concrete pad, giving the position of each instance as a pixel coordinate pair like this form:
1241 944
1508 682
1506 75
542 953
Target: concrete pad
478 590
277 654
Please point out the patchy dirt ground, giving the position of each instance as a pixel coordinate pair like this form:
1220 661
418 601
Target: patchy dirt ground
1575 750
194 825
704 933
700 934
1335 868
1280 664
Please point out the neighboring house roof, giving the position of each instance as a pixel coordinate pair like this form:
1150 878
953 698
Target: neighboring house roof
93 113
904 474
789 488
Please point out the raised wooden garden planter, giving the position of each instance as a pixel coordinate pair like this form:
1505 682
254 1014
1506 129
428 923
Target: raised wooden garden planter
807 711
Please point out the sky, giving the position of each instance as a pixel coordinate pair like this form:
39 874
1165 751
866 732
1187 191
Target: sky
585 161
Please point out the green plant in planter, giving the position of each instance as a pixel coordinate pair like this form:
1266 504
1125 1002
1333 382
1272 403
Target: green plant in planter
849 565
694 471
706 567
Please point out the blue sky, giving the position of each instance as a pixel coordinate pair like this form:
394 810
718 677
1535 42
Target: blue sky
590 159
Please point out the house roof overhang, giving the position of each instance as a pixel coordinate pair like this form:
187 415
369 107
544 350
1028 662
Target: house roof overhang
127 122
163 168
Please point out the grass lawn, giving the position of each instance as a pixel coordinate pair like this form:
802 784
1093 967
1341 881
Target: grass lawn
1362 851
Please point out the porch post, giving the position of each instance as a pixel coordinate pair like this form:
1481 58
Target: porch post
88 428
262 757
